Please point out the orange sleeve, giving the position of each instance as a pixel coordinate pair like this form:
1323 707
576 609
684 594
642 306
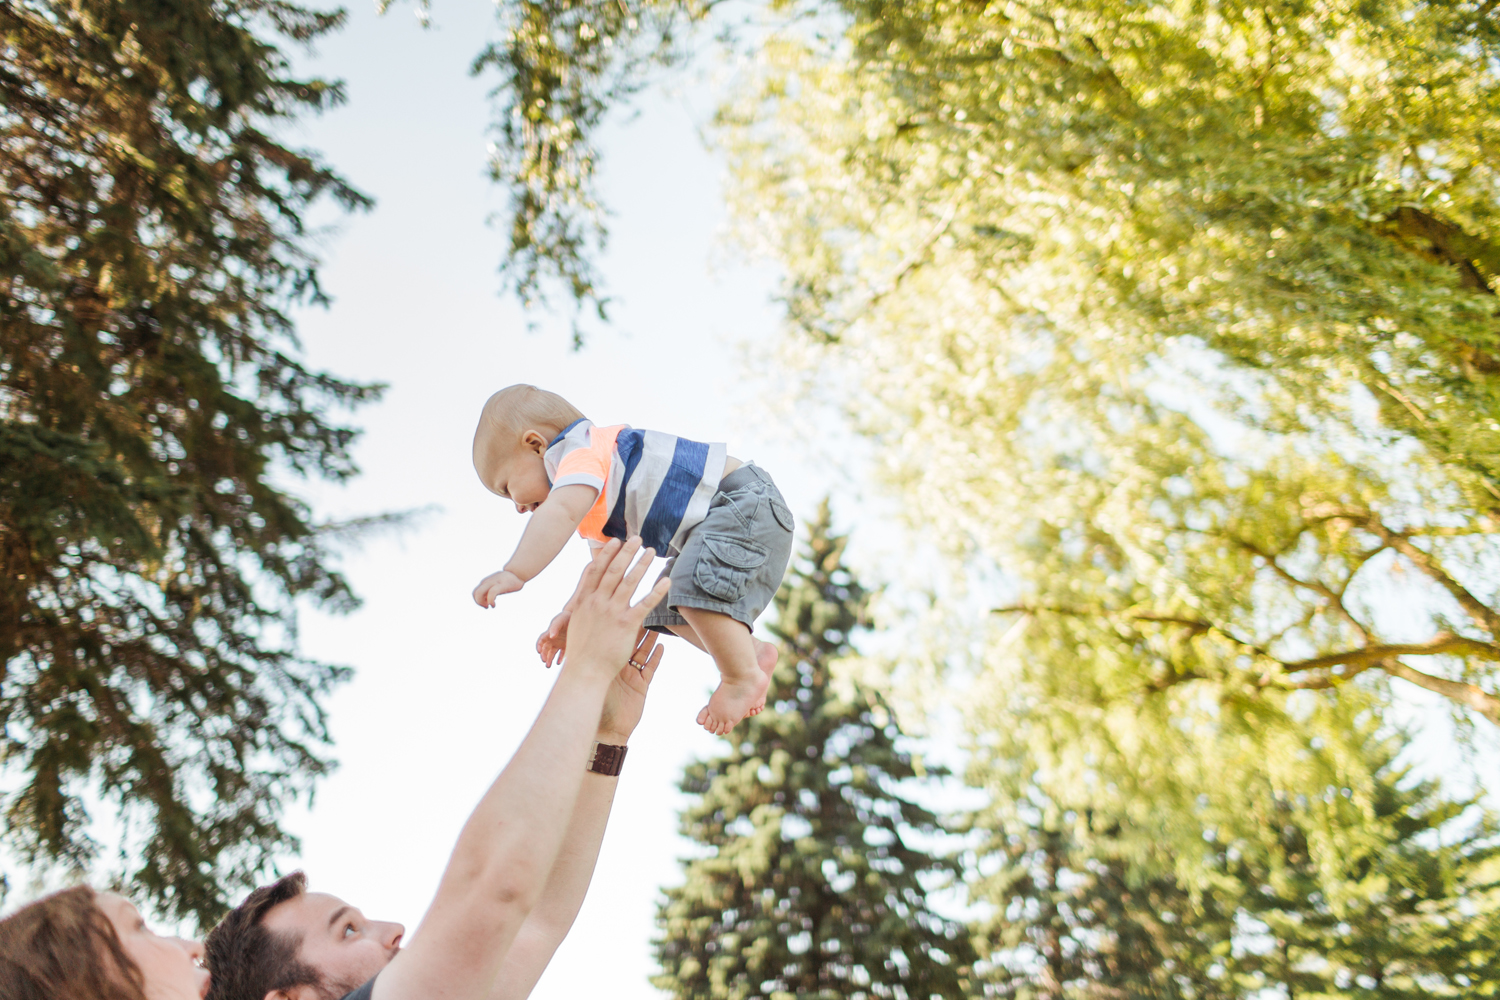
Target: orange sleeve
584 466
591 466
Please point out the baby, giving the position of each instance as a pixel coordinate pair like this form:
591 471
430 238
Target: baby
721 523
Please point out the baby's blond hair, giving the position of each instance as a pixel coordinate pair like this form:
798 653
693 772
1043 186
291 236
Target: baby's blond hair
510 413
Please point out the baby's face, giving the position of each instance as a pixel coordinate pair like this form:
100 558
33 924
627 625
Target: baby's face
522 479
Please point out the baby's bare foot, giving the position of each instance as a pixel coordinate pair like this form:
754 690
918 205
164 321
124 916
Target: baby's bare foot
766 656
732 701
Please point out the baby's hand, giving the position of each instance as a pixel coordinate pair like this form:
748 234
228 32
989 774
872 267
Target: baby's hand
496 584
554 642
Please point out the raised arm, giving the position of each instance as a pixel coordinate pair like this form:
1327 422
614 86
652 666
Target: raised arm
563 896
509 846
552 523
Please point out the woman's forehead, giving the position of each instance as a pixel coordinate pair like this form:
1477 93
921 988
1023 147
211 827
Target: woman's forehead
114 903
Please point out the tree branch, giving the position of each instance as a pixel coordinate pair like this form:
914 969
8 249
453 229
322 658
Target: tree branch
1334 598
1442 643
1355 661
1472 695
1482 614
1195 625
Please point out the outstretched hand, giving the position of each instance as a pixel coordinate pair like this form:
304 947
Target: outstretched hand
626 699
553 643
605 626
495 585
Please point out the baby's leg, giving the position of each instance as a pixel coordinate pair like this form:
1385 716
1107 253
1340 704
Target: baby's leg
745 665
766 656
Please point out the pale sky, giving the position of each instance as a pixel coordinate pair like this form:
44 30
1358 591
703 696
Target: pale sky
445 690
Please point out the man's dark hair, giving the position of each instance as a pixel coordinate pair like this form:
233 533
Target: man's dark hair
246 959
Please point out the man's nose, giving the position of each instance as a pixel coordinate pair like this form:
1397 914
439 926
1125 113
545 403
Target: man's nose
194 949
391 934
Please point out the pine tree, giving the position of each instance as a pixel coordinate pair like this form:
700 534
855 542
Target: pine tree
817 882
152 408
1082 912
1074 921
1419 916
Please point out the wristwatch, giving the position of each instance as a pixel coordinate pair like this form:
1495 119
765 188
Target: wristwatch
607 759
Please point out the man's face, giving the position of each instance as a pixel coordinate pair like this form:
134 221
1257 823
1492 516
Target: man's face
338 941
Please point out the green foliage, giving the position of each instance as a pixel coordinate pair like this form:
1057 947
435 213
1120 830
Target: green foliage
1076 921
151 241
1121 294
560 67
815 885
1024 221
1085 909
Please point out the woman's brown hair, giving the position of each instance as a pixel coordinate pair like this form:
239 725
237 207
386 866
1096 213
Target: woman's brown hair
63 947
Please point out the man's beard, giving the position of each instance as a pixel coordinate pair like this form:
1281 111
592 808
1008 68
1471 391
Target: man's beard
330 988
335 989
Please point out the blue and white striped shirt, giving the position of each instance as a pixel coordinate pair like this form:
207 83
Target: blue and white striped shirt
650 484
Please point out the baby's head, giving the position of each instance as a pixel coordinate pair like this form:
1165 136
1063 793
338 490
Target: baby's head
515 427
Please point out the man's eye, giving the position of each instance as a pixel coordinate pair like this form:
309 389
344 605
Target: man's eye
348 930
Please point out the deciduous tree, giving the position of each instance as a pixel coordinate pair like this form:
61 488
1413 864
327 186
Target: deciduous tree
1126 301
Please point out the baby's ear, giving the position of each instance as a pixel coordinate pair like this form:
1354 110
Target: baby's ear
533 441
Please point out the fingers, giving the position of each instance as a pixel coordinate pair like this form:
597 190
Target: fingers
638 571
652 662
595 569
609 579
645 640
645 645
653 597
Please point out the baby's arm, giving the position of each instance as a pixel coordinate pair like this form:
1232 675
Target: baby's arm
554 520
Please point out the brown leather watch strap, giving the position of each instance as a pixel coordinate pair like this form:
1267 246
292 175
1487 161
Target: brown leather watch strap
607 759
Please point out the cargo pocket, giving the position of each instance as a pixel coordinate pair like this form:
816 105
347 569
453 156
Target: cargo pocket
783 514
744 503
726 565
